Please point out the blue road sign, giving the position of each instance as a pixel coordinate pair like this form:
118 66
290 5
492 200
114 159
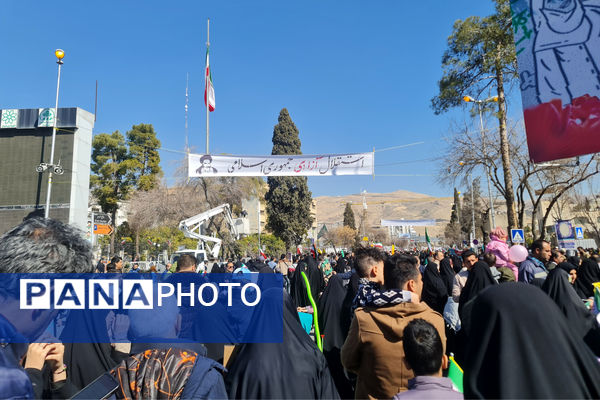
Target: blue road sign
517 236
579 232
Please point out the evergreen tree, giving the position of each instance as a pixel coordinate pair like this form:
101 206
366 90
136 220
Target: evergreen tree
453 232
466 222
481 55
143 149
112 168
288 198
349 217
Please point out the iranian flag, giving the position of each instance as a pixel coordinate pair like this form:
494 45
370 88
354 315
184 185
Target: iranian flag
209 90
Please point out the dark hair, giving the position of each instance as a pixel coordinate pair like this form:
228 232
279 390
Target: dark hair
45 246
537 245
282 257
422 347
111 267
366 258
467 253
186 261
398 270
115 259
490 259
556 254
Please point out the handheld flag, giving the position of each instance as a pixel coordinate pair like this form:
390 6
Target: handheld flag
209 90
150 242
262 254
343 254
455 373
393 249
428 241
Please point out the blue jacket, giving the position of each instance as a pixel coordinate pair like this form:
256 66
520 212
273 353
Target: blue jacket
531 268
14 382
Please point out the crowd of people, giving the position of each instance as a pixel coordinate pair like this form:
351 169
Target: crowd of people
387 324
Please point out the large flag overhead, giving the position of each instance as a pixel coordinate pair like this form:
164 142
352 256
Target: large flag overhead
209 90
558 52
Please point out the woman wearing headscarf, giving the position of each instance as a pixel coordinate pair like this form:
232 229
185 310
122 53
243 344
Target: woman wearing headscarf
294 369
521 346
334 333
447 273
587 274
571 270
498 247
480 277
315 280
580 319
435 292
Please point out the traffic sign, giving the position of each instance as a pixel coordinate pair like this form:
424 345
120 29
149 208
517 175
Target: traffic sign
102 229
517 236
102 218
579 232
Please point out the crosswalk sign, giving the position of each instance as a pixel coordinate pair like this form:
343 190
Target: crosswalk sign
517 236
579 232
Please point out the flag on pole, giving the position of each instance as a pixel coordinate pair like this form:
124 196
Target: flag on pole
209 90
428 241
455 373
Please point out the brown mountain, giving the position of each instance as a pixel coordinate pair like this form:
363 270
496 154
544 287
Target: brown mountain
394 205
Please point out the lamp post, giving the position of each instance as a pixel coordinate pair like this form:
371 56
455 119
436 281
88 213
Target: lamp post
469 99
51 167
461 163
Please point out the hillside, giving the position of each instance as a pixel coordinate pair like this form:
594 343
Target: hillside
394 205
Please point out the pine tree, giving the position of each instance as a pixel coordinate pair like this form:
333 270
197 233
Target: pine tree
452 232
143 149
349 217
288 198
112 168
480 56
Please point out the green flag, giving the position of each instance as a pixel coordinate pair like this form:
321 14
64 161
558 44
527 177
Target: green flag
322 232
428 241
455 373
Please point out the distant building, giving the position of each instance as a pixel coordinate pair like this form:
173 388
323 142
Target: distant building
25 142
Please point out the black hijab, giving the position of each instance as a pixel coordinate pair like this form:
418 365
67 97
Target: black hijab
87 361
479 278
457 263
334 333
521 346
580 319
435 293
340 267
315 279
588 273
447 274
294 369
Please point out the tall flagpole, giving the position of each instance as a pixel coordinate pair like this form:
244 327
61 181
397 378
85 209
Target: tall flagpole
206 78
187 85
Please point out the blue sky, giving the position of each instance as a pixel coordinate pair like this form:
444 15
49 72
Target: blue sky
354 75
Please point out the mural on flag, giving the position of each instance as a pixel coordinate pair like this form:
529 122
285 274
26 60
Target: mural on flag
558 52
205 165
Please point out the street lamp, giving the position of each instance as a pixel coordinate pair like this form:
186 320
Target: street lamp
469 99
59 53
461 163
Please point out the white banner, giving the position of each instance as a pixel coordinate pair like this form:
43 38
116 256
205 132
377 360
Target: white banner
408 222
204 165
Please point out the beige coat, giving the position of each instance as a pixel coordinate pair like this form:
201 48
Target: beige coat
373 348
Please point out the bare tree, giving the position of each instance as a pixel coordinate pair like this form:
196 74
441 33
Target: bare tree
464 157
